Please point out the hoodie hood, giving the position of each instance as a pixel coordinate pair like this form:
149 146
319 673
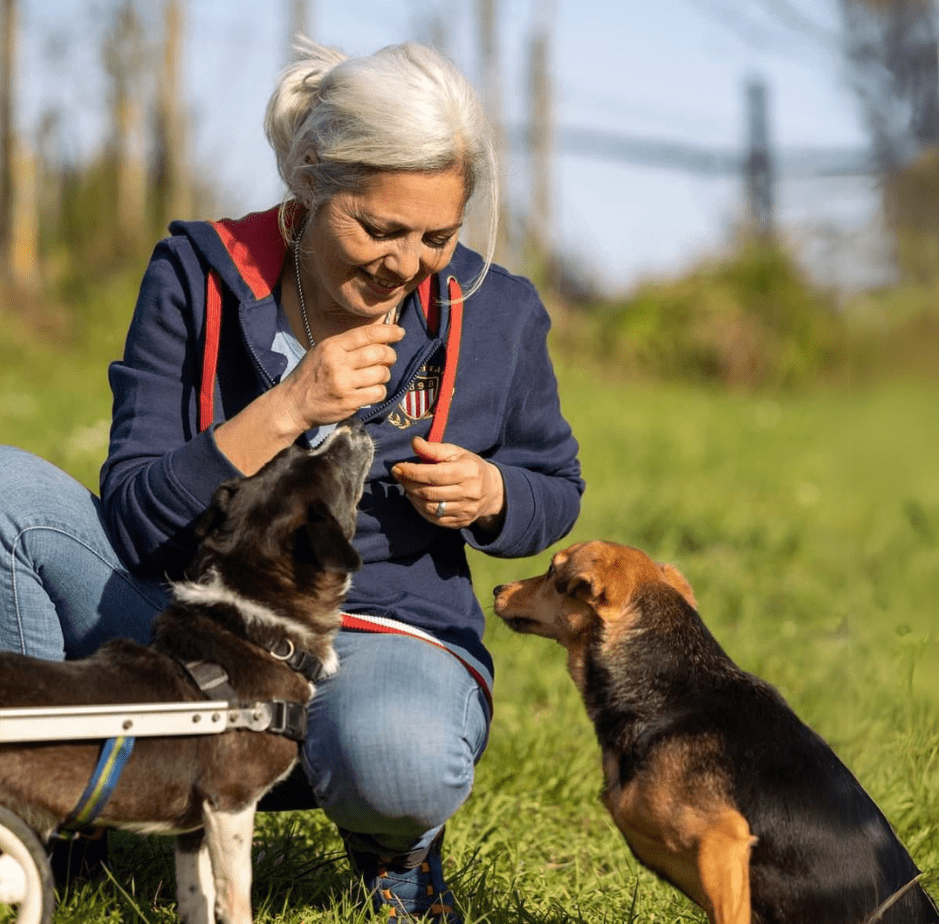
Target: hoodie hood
247 253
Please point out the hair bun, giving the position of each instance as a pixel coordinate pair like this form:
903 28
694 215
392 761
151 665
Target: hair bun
296 93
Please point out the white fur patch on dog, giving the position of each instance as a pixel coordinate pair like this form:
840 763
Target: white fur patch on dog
330 664
214 592
195 886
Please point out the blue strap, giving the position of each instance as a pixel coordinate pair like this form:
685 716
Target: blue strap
114 754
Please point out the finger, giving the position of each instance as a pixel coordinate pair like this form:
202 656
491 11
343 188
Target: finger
366 397
368 334
414 475
439 511
373 354
435 452
370 376
351 353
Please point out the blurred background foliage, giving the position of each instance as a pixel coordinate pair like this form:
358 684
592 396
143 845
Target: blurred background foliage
75 236
778 446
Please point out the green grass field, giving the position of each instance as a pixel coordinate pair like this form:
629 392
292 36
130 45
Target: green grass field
809 528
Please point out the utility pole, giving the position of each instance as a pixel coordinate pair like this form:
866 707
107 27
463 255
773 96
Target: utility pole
541 217
759 163
299 19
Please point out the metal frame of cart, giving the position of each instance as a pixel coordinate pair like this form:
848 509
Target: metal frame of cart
25 874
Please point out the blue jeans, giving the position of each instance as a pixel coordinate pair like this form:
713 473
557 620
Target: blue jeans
394 736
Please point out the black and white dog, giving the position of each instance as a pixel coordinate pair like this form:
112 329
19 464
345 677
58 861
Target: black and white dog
253 623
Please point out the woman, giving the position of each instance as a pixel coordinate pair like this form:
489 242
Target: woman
321 319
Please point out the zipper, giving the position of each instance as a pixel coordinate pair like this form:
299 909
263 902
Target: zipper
376 410
266 379
364 414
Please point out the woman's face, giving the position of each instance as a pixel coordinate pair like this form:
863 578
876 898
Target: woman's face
364 251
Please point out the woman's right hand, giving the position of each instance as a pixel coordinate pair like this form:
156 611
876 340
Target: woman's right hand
338 376
341 374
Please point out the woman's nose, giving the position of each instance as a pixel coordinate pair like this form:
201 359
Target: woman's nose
404 259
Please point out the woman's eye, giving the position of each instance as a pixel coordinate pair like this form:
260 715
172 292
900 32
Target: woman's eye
438 243
434 241
375 233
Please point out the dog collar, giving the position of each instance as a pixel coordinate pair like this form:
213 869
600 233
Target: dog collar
302 661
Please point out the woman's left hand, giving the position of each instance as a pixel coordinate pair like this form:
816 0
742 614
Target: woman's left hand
453 487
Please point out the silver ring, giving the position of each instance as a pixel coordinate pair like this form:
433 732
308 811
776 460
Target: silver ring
439 509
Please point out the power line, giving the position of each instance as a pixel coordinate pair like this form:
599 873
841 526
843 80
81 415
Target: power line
805 163
794 19
752 33
788 30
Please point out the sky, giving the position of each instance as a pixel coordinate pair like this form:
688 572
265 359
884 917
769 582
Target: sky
672 70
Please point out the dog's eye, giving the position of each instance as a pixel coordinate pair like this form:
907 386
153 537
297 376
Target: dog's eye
551 570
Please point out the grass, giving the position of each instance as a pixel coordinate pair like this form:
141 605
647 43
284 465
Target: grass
809 528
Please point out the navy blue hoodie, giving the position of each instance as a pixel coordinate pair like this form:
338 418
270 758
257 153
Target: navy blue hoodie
161 471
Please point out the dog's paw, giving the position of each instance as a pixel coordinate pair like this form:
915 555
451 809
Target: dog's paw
330 662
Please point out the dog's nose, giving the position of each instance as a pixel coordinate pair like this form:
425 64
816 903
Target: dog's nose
497 590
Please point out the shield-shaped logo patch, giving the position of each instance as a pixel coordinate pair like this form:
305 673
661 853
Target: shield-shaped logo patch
419 400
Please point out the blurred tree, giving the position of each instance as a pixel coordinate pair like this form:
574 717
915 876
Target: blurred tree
892 48
126 63
171 185
19 230
7 141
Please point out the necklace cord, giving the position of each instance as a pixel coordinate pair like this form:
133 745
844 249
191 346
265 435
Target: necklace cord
306 320
390 318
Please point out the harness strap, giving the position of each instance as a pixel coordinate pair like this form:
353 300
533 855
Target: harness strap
277 716
113 757
211 679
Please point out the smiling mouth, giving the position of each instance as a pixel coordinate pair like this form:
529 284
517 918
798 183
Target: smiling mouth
379 285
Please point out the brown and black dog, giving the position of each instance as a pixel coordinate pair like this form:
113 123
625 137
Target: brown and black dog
714 782
260 608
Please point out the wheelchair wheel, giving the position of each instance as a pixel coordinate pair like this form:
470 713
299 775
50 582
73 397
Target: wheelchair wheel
25 874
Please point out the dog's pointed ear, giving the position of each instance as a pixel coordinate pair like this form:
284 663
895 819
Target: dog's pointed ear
214 515
321 542
582 585
674 578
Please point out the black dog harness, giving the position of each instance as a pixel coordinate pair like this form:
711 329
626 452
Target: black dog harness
277 717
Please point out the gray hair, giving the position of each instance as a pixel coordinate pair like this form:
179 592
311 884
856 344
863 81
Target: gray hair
334 121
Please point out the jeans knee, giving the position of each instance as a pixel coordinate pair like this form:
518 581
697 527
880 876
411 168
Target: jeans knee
17 466
400 778
32 489
394 737
401 786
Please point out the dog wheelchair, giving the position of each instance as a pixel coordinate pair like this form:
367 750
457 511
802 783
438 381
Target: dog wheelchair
26 882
